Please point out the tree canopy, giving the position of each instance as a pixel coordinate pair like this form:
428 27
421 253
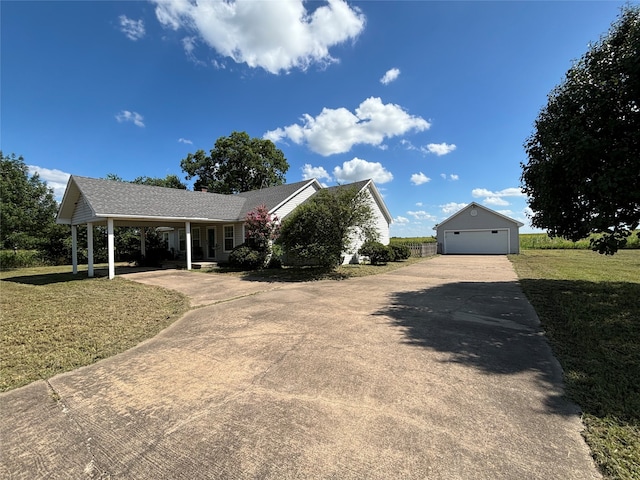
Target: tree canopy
324 227
583 169
237 163
28 207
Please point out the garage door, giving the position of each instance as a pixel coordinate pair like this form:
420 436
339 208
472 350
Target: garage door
476 241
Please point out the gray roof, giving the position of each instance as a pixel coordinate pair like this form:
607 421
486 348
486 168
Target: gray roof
108 198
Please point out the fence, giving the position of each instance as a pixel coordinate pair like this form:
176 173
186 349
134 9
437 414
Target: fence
422 249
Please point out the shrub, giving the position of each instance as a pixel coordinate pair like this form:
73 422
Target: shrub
399 252
376 251
246 258
10 259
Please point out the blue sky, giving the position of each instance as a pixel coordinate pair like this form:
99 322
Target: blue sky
432 100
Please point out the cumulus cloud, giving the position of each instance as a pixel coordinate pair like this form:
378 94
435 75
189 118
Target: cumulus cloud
496 198
401 220
390 76
419 178
422 215
127 116
452 207
184 140
133 29
56 179
357 169
309 172
338 130
274 35
439 148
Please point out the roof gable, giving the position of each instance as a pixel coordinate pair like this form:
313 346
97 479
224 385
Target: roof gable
478 206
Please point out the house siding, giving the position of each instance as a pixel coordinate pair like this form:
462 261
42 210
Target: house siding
381 224
294 201
82 213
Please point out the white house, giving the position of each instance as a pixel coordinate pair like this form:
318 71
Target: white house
476 229
207 225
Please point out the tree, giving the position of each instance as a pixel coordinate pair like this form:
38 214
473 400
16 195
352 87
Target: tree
237 163
583 167
325 226
170 181
29 208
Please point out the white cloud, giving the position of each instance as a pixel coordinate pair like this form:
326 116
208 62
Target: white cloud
184 140
56 179
439 148
133 29
390 76
422 215
127 116
401 220
452 177
357 169
337 130
419 178
309 172
418 204
452 207
274 35
495 201
496 198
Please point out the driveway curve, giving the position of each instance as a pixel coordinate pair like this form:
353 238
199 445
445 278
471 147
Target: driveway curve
436 370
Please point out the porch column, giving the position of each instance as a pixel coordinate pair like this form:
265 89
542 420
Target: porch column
74 249
143 242
187 228
90 249
111 249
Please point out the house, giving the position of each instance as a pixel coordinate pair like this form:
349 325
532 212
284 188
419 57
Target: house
476 229
208 225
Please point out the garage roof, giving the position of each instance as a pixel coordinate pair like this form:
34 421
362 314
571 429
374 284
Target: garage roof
481 207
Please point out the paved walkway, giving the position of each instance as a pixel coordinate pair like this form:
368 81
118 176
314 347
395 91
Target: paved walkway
437 370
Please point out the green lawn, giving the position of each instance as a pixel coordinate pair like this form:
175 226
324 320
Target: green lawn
589 306
52 321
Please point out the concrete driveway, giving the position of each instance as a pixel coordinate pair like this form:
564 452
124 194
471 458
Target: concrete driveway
437 370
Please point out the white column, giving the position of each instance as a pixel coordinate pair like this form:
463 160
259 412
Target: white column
74 248
143 242
90 249
187 227
111 249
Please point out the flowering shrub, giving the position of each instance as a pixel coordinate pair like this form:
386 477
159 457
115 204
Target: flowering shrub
261 228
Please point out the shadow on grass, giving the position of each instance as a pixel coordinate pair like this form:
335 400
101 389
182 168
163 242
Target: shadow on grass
46 278
594 330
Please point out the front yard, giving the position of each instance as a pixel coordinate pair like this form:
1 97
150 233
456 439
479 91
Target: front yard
590 310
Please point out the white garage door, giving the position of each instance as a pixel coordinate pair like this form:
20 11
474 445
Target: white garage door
476 241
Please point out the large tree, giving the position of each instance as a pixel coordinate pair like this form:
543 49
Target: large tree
326 225
583 170
28 209
237 163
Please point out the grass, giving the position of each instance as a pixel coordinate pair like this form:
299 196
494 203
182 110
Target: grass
52 321
590 310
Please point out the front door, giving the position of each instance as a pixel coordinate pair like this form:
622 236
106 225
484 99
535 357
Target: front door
211 242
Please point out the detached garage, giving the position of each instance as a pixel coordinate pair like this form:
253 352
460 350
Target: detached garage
478 230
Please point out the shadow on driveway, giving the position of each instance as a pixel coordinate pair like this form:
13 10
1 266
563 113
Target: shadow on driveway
489 326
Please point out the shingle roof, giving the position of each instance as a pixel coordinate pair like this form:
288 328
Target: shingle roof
109 198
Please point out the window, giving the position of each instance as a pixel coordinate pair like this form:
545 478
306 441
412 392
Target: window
182 240
195 238
494 231
456 233
228 238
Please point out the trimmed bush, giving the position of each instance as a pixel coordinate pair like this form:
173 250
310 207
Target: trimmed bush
399 252
376 251
246 258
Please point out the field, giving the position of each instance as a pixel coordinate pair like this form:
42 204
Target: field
542 241
588 305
